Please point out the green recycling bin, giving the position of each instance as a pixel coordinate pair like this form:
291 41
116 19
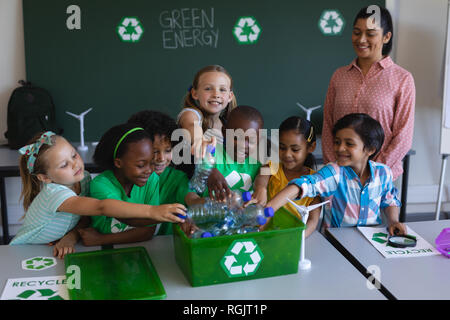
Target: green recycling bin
239 257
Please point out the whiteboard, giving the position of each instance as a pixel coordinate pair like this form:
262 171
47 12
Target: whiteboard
445 125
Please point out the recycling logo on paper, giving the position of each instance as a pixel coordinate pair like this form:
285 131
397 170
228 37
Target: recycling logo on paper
38 263
39 294
331 22
242 258
247 30
130 29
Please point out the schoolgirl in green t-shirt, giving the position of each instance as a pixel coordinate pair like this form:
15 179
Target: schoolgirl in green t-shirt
173 183
125 152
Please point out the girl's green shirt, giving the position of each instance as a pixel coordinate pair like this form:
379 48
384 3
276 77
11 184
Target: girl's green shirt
106 186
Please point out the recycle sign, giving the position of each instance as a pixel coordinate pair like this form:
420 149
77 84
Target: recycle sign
39 294
380 237
247 30
331 22
242 258
130 29
38 263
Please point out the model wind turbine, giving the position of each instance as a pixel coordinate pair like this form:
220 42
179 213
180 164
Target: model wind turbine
308 110
80 117
304 212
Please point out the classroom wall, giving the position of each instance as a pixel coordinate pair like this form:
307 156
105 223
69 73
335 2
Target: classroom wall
419 47
12 54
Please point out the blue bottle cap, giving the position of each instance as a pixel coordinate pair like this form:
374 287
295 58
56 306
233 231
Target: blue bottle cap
210 148
179 215
261 220
206 234
246 196
268 212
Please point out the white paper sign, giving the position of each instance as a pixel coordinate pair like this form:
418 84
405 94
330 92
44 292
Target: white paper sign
36 288
378 237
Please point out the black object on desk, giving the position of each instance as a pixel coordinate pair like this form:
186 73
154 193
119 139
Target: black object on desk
9 167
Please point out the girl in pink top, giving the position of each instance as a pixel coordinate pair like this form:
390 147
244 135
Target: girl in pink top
375 85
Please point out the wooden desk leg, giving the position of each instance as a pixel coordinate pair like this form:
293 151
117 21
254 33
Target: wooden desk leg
4 212
404 195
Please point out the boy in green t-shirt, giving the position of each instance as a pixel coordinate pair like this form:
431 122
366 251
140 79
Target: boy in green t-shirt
235 167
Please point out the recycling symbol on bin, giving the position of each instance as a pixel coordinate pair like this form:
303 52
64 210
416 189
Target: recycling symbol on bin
242 258
39 294
331 22
247 30
38 263
130 29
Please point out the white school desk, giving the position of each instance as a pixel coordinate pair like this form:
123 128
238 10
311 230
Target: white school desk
403 278
330 277
11 258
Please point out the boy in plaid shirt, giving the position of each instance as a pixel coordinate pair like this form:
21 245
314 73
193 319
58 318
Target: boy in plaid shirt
356 186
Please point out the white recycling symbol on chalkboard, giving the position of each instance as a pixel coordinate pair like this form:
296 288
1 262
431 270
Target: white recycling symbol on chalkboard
130 29
331 22
242 258
247 30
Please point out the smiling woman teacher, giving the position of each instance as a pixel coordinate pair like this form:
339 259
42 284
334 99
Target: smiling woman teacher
373 84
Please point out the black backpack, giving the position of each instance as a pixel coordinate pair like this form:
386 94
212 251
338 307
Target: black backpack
30 110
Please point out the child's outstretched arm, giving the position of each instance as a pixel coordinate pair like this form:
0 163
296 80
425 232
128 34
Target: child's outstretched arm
313 218
391 205
291 192
86 206
190 122
393 225
91 237
260 187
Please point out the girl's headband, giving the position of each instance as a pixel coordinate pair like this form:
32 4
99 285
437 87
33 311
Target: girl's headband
123 137
32 150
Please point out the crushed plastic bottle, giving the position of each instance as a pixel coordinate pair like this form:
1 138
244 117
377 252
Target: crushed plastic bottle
202 170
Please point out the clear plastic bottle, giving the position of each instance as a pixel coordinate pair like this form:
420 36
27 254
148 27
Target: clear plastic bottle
253 214
202 170
213 211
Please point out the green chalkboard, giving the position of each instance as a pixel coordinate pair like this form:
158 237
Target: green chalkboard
77 51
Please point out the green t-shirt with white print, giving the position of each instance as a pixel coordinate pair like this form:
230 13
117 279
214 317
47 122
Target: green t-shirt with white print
239 176
106 186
